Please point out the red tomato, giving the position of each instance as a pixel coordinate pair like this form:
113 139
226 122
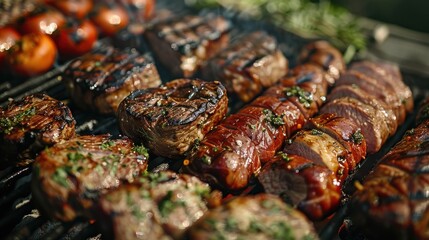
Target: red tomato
144 7
77 39
110 19
8 37
43 20
76 8
34 54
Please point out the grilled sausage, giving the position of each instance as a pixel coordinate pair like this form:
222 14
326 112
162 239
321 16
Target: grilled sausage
30 124
69 176
171 118
99 81
250 64
184 44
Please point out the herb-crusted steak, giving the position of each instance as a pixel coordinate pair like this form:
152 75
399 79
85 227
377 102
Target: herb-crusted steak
32 123
69 177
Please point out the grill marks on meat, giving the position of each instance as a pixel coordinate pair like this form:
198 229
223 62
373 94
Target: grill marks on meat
231 154
183 45
99 81
255 217
396 192
250 64
161 206
69 177
171 118
32 123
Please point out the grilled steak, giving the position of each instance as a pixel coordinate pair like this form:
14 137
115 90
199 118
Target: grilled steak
169 119
230 155
253 217
302 183
99 81
184 44
326 56
393 202
251 63
162 206
69 177
30 124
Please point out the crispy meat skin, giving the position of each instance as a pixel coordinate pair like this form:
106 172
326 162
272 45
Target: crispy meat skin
69 176
161 206
250 64
99 81
32 123
169 119
259 217
184 44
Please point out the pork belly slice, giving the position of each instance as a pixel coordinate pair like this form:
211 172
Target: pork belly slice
261 217
99 81
313 188
30 124
367 118
162 205
183 44
250 64
169 119
69 177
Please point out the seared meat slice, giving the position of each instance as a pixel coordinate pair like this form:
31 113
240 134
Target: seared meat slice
169 119
69 177
99 81
326 56
423 113
162 206
30 124
369 119
253 217
251 63
184 44
313 188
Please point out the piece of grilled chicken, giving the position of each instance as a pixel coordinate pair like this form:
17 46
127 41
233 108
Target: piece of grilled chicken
171 118
69 176
30 124
100 80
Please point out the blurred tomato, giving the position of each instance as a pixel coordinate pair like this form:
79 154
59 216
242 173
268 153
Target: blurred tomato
8 37
110 19
144 8
34 54
75 8
76 39
43 20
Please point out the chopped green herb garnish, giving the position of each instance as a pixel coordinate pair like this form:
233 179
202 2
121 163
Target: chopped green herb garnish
304 97
231 224
206 159
357 137
8 123
75 157
168 204
255 226
283 156
215 149
251 126
274 119
409 132
106 145
316 132
140 149
60 176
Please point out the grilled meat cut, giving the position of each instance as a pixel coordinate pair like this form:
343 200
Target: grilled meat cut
393 201
161 206
69 177
171 118
32 123
184 44
253 217
232 154
99 81
250 64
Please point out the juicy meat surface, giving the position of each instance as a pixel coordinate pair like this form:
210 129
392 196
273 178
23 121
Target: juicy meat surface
161 206
69 177
171 118
253 217
99 81
184 44
250 64
32 123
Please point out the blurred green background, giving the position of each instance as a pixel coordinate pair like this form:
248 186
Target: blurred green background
412 14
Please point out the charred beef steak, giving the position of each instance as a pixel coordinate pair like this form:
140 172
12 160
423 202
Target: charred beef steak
30 124
171 118
99 81
250 64
253 217
183 44
69 177
162 206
